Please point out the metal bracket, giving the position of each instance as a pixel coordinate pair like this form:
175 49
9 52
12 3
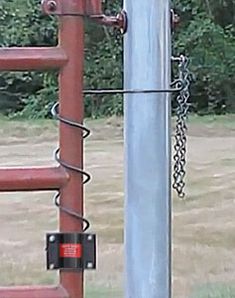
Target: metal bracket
119 21
71 251
175 19
91 9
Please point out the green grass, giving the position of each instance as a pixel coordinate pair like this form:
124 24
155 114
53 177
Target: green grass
103 293
227 120
215 291
211 122
206 291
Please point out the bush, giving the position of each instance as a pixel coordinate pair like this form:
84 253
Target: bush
205 35
210 47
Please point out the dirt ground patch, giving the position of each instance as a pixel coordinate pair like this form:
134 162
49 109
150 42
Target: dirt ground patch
204 224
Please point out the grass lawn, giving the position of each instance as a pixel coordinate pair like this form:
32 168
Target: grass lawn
203 224
214 291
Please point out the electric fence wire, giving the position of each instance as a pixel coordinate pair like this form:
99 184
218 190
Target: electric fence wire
180 86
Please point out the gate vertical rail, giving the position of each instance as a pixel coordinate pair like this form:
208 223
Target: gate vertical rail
71 39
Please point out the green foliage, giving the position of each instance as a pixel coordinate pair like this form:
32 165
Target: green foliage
104 70
210 42
206 35
22 24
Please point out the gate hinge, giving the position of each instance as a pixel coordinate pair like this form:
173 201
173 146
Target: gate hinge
91 9
71 251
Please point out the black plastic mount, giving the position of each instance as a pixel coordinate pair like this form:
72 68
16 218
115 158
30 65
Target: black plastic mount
71 251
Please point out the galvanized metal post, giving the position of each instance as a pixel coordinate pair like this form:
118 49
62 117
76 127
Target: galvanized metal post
147 150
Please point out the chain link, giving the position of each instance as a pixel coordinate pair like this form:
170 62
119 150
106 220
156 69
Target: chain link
180 145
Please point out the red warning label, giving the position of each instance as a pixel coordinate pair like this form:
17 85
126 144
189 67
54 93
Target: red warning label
70 250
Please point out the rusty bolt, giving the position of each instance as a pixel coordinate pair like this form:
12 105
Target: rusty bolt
122 21
52 6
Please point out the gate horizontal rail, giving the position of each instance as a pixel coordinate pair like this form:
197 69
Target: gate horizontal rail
68 58
32 179
33 292
37 58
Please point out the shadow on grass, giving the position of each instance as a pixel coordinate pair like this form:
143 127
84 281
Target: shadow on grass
214 291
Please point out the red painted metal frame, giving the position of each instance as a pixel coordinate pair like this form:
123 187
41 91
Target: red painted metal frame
68 57
71 39
34 292
29 179
71 7
32 58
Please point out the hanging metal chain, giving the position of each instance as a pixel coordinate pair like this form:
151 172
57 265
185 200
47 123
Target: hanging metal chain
180 145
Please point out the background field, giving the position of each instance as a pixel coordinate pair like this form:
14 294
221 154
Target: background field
204 224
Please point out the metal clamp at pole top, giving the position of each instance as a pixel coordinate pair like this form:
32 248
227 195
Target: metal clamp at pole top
91 9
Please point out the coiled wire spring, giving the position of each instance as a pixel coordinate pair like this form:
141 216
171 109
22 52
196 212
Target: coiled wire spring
86 133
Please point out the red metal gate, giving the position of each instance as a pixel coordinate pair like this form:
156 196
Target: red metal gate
67 57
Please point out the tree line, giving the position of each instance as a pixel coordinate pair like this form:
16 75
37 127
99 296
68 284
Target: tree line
206 34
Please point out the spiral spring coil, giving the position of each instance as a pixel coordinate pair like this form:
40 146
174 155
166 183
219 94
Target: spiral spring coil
86 133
